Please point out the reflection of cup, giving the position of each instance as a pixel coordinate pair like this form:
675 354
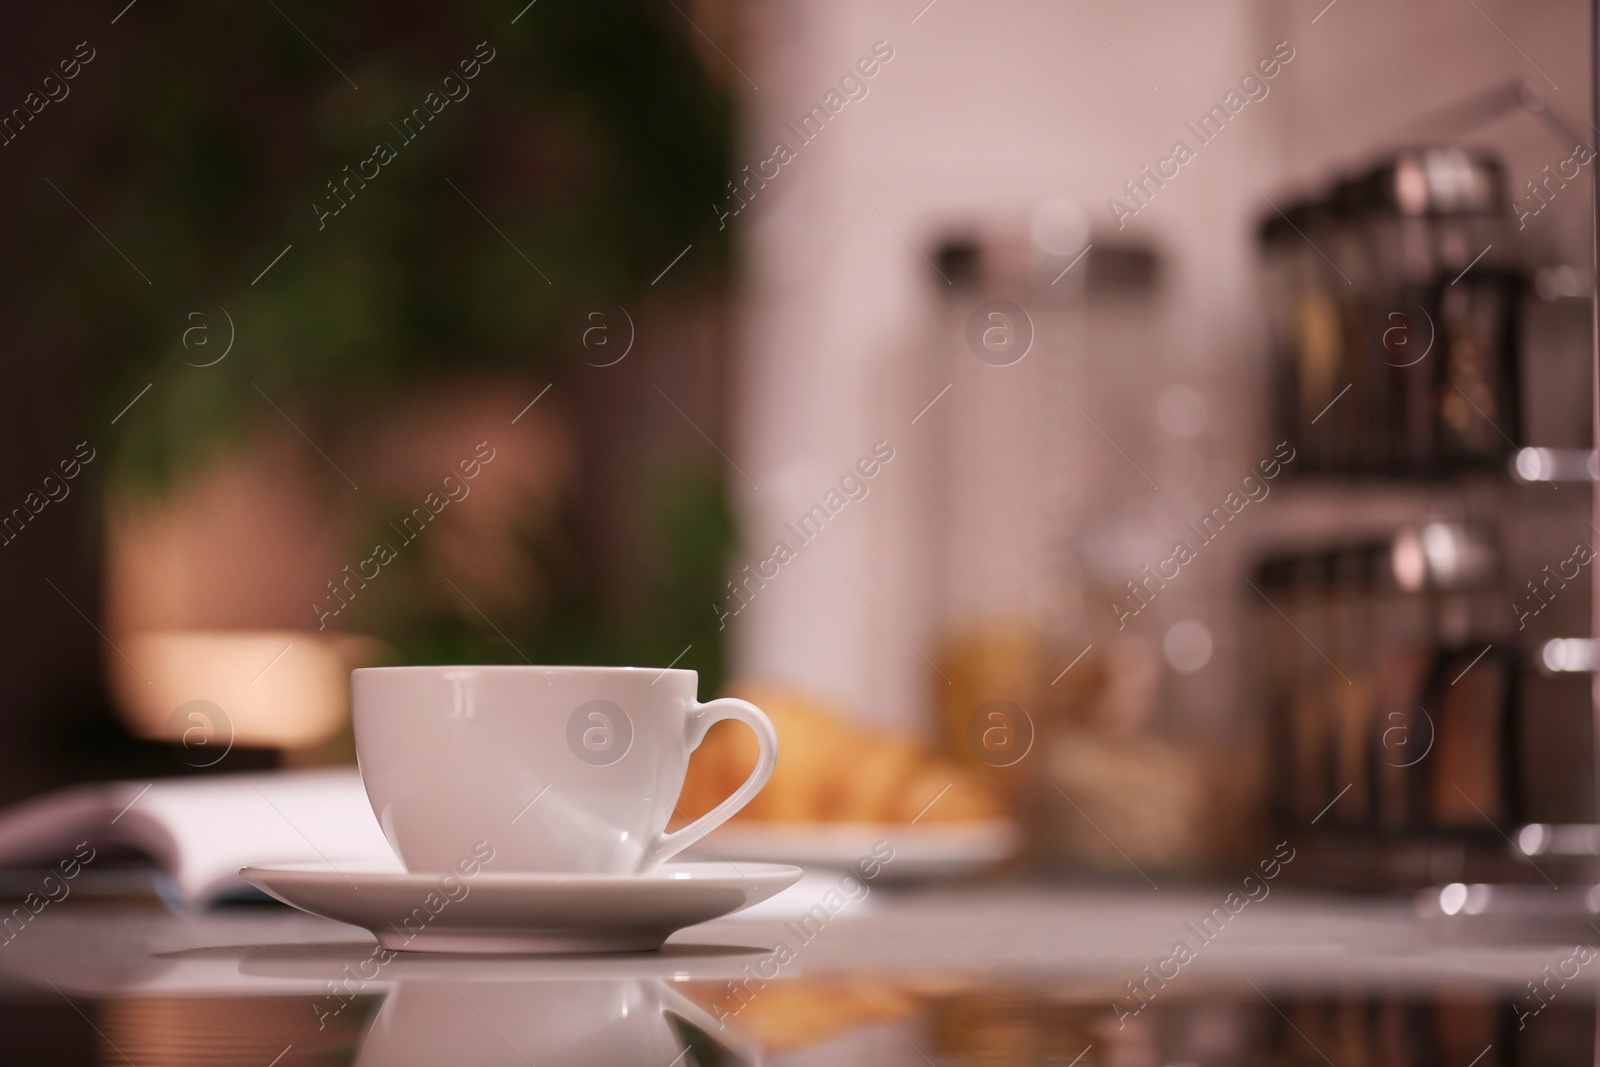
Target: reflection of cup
552 1024
557 768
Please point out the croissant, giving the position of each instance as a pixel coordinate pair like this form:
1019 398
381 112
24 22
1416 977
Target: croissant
830 770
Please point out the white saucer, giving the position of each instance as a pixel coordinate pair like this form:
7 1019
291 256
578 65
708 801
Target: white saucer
503 912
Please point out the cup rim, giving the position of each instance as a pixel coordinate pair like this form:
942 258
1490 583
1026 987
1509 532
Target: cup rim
508 668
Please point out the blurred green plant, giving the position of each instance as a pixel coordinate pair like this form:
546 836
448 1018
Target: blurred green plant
594 139
683 544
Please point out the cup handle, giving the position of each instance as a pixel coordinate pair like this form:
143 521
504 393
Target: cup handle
701 719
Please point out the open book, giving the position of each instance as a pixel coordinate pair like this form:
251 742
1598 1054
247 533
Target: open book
197 832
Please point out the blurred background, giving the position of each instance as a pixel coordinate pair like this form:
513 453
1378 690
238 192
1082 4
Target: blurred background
1166 424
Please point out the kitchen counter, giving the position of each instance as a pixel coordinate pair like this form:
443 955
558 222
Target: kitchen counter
1012 974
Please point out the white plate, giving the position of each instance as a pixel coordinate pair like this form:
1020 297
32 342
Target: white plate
503 912
929 852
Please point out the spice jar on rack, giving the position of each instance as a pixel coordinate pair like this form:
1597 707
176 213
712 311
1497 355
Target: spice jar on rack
1444 336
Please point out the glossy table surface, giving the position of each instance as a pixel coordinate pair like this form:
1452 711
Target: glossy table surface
1006 973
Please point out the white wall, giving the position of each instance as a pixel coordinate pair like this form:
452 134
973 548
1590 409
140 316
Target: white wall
985 111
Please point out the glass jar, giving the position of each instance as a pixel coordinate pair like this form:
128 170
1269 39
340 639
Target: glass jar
1444 328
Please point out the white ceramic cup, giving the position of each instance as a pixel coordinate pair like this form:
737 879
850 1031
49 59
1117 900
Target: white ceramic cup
557 769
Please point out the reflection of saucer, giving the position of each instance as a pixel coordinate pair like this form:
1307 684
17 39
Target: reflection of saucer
501 912
298 969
